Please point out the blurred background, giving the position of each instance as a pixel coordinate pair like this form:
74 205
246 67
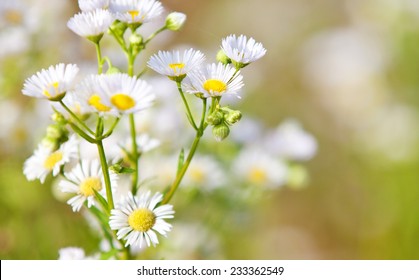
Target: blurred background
345 70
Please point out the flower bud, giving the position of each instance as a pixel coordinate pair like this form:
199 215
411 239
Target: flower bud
54 131
220 131
233 116
113 70
118 28
223 58
136 41
175 21
215 118
58 118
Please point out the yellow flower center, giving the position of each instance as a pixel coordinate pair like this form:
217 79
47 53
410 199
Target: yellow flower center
176 67
13 16
53 159
197 175
53 87
94 101
133 14
142 219
122 101
257 176
213 85
89 184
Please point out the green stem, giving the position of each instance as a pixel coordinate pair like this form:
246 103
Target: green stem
154 35
105 171
110 131
100 61
181 173
135 154
74 116
188 110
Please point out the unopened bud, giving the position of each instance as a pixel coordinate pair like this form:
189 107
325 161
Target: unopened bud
215 118
223 58
136 41
175 21
233 116
118 28
220 131
59 118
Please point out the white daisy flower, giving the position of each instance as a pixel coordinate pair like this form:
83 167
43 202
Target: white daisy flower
91 5
144 143
52 83
214 80
45 161
124 94
87 94
91 24
136 11
258 168
175 64
241 50
83 180
137 219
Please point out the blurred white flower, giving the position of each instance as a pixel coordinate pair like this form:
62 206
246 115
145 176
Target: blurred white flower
136 11
291 142
204 172
45 161
257 167
175 21
71 253
242 50
91 5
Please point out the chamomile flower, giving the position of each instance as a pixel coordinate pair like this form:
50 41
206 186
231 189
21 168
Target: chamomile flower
214 80
83 181
256 167
138 219
91 25
91 5
136 11
123 94
52 83
87 94
45 161
241 50
205 172
176 65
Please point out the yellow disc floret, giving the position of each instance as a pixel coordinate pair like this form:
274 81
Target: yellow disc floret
122 101
94 101
257 176
90 184
142 219
213 85
176 67
53 159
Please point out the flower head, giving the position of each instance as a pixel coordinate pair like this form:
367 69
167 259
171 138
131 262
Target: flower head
91 5
136 11
113 94
52 83
45 161
83 181
176 65
138 219
175 21
91 24
241 50
214 80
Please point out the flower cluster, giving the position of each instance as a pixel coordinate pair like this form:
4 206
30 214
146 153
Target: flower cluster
101 110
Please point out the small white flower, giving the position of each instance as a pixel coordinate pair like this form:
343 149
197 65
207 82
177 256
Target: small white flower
136 11
290 141
45 161
113 94
258 168
91 24
144 143
214 80
91 5
124 94
137 219
204 171
175 21
176 64
83 180
52 83
241 50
